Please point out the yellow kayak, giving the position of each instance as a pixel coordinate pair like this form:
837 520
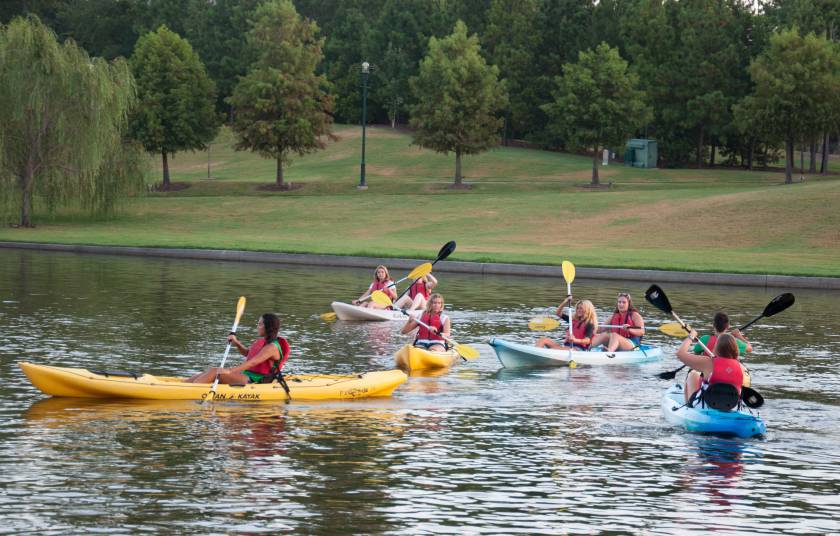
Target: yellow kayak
78 382
409 357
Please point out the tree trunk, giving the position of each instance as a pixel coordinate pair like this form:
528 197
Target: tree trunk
789 159
505 131
750 153
824 159
596 181
165 171
700 148
457 167
712 156
812 167
279 173
26 203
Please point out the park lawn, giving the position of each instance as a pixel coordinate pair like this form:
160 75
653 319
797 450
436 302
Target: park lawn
525 206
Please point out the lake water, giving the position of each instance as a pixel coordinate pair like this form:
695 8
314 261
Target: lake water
477 449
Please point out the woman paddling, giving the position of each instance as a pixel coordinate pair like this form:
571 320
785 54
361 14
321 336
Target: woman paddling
629 335
706 371
263 359
431 338
418 294
584 326
381 281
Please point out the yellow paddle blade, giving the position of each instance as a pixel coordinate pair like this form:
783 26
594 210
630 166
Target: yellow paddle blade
543 324
240 308
568 272
466 351
573 364
673 329
421 271
329 317
381 298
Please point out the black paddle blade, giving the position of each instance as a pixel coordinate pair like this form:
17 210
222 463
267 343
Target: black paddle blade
779 304
751 397
656 296
669 374
446 251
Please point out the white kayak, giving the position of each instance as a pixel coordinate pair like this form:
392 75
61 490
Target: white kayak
740 423
514 355
348 311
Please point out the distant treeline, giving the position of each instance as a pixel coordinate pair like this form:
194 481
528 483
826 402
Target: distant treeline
700 63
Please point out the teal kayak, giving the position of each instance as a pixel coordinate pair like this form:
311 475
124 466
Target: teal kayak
739 422
515 355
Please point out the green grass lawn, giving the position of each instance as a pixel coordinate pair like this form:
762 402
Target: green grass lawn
524 206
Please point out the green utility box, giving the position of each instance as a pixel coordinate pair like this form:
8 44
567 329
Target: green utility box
641 153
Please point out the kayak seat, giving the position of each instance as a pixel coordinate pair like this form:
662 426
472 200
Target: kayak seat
119 373
720 396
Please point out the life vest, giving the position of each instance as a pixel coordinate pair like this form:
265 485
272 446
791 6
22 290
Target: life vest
380 285
579 329
424 335
726 370
418 287
618 319
269 365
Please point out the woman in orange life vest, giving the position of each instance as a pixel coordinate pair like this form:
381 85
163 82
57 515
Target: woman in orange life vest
721 326
584 326
418 294
263 358
381 281
438 322
723 368
627 337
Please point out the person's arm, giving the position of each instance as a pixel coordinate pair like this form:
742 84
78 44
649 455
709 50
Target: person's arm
639 325
560 307
738 335
391 290
239 346
431 282
446 328
409 326
701 363
365 294
269 351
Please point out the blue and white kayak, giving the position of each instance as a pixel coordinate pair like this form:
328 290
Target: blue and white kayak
709 421
515 355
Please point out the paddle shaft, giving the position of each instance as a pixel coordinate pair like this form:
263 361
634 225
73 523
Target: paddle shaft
442 254
227 351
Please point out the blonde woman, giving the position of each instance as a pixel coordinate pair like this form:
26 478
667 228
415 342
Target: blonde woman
431 338
584 326
418 294
381 281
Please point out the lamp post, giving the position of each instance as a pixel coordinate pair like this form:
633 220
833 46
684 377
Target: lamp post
365 73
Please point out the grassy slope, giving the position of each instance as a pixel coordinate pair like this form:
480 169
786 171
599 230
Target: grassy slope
525 206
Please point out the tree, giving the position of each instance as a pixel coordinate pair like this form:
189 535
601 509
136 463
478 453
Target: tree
597 102
282 105
458 96
176 97
62 114
797 89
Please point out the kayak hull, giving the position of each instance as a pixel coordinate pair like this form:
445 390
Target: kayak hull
515 355
78 382
411 358
709 421
355 313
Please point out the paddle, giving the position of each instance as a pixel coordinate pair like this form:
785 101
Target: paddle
465 351
545 323
444 252
418 272
240 308
776 306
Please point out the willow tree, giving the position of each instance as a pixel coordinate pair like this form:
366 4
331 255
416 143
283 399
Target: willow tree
282 106
176 109
458 98
62 114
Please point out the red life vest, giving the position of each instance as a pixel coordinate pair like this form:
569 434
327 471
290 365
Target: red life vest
266 366
380 285
617 319
418 287
727 370
436 321
579 329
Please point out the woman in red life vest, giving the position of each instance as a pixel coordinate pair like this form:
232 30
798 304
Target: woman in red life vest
629 335
418 294
381 281
430 338
584 326
723 368
721 326
263 358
